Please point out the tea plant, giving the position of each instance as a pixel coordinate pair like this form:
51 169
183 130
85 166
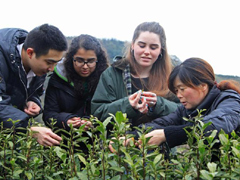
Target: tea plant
206 155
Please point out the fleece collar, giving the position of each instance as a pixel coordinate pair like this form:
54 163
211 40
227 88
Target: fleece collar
61 71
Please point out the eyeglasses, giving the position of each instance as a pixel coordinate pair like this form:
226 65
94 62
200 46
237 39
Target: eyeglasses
81 62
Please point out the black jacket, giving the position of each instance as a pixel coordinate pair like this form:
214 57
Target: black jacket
13 80
61 102
222 109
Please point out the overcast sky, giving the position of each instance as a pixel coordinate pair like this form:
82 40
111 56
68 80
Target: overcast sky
209 29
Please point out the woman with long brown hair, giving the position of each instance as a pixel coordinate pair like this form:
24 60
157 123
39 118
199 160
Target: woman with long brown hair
136 84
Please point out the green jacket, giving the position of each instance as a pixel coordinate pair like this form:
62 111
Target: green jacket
112 94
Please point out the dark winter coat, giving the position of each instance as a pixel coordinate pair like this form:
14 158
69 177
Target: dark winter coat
13 80
222 109
61 102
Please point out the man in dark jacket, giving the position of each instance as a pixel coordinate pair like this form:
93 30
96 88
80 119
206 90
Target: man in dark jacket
25 59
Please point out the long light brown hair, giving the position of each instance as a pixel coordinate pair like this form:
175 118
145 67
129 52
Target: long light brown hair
161 69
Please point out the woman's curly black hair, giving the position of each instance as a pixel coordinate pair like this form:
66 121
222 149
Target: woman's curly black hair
87 42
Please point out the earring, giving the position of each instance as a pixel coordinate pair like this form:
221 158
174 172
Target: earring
132 53
160 56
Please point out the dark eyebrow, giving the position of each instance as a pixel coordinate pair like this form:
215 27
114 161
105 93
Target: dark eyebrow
53 61
79 58
85 59
91 58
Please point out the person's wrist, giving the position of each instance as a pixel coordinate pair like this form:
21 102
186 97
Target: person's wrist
35 131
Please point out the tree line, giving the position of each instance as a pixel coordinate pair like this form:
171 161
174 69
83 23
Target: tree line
116 47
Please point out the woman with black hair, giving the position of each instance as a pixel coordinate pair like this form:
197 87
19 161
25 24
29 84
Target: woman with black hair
193 82
73 83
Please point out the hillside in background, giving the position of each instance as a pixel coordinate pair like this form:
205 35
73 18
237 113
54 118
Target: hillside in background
220 77
115 47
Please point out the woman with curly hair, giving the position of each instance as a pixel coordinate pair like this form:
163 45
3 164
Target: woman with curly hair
73 83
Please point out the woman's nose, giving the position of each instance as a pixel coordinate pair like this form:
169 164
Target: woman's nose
147 51
179 95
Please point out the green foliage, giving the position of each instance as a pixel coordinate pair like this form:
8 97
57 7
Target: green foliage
21 157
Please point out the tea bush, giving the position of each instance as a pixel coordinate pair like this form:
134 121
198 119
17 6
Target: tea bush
21 157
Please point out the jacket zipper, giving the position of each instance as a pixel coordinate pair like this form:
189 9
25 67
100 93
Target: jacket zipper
35 90
23 85
28 96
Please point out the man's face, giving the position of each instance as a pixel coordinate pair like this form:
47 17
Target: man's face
45 63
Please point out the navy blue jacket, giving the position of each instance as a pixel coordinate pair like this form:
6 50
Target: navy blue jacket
222 109
13 80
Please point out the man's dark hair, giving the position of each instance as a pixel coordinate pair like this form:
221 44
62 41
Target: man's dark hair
45 37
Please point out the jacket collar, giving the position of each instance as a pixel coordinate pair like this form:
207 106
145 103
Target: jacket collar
206 103
10 38
61 71
126 74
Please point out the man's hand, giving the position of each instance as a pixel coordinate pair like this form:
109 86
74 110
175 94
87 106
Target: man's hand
32 109
45 136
